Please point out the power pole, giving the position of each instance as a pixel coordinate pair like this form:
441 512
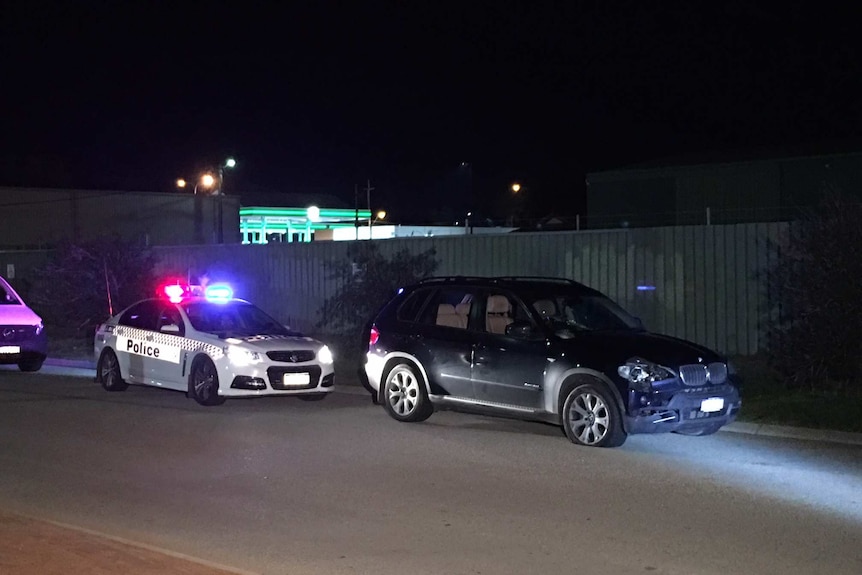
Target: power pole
356 207
368 190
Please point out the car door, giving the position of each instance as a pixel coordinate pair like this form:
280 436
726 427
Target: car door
136 330
170 331
510 354
445 345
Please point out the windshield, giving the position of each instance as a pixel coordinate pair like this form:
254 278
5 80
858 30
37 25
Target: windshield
233 319
7 296
569 313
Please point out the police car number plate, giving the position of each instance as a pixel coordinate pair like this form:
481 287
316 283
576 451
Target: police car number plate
295 379
712 404
10 349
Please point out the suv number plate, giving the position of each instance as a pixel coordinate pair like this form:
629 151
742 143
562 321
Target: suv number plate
10 349
712 404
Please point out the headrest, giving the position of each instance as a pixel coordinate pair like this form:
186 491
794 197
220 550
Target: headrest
545 307
498 304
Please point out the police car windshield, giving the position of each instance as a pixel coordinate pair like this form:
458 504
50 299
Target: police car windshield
232 319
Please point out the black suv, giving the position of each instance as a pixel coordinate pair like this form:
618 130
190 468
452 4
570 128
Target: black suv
547 349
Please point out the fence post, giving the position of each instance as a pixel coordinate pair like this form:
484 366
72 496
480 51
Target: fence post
708 216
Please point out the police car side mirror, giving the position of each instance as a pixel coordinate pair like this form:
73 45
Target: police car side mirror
170 328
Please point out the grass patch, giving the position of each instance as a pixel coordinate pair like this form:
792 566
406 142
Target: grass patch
767 398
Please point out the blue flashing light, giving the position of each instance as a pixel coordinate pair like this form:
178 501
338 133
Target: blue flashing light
218 293
646 288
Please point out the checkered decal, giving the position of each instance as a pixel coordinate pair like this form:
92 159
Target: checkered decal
167 339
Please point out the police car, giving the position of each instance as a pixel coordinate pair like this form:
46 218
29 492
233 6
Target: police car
211 346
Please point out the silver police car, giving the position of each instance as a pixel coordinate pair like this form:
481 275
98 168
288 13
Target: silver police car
211 346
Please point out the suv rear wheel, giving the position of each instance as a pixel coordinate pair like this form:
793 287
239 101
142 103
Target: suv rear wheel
404 395
590 417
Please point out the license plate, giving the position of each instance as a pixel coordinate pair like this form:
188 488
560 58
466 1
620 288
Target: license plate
712 404
10 349
295 379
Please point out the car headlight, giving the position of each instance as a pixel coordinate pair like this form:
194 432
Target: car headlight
641 374
241 357
324 355
39 327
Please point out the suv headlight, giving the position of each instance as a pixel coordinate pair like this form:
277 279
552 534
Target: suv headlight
241 357
324 355
39 327
641 374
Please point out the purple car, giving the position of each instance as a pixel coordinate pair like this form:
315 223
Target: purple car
22 334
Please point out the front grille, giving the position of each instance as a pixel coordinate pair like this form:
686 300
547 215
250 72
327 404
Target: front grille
276 376
16 333
297 356
698 374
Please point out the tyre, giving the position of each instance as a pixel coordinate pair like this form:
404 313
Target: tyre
699 432
108 372
30 364
203 382
591 417
404 397
313 396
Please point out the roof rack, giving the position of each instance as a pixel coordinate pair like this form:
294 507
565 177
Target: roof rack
537 278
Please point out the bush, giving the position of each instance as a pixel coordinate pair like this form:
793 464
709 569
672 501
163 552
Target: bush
83 283
815 341
367 281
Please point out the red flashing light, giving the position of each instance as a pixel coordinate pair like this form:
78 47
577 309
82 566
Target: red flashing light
373 336
177 291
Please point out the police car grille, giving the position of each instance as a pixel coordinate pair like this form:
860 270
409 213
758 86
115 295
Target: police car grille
298 356
697 374
16 333
276 376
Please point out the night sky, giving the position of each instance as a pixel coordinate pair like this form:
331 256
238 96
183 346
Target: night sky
319 97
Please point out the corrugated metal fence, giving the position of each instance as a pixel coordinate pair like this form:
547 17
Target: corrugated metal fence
702 283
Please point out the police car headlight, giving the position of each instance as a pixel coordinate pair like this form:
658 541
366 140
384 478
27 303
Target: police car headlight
324 355
240 357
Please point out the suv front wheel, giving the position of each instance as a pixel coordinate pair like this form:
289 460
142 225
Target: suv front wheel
590 417
404 395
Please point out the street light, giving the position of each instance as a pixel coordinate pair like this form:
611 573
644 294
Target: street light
229 164
516 187
181 183
207 181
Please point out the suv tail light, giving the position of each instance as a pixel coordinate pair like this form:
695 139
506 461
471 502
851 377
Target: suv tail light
373 336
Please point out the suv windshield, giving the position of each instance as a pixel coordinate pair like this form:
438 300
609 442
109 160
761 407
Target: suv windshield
569 313
233 319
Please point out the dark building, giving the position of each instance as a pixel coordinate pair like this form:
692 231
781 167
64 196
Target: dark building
752 190
35 217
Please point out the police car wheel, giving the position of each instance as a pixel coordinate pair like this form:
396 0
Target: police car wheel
108 371
203 382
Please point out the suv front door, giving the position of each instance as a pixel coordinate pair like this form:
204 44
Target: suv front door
509 358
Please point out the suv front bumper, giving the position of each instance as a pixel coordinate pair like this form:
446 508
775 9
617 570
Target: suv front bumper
683 413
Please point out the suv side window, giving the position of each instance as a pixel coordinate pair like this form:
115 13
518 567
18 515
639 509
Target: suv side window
409 309
501 310
449 307
144 315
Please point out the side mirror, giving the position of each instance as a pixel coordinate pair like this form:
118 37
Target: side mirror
170 328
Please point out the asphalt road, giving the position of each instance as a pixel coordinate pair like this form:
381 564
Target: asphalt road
278 485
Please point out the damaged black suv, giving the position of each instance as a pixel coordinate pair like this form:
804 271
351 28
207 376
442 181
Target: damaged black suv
547 349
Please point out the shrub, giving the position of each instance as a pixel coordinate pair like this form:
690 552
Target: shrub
367 280
815 341
82 283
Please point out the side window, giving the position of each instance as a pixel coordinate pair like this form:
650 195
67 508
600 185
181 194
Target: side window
170 321
449 307
501 310
142 316
409 308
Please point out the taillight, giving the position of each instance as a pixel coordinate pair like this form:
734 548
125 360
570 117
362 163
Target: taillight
373 336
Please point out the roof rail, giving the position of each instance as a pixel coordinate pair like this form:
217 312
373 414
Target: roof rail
539 278
444 279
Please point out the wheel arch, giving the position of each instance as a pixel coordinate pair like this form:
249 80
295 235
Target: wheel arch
393 359
577 376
